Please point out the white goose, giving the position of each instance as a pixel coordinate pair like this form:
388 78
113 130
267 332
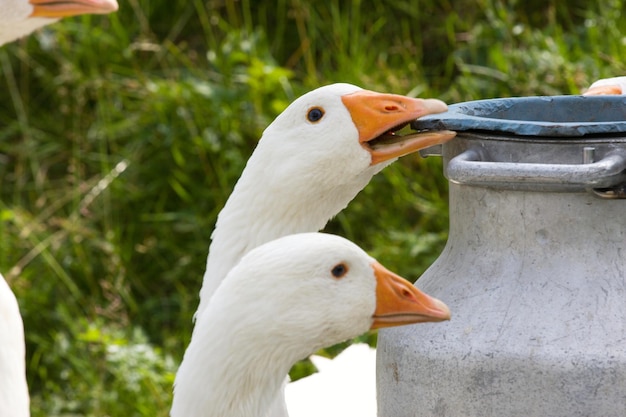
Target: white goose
20 17
14 399
607 86
283 301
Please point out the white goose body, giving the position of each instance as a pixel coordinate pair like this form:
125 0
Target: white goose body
20 17
14 399
346 385
283 301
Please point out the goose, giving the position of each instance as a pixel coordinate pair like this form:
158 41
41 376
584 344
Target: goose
14 399
20 17
283 301
607 86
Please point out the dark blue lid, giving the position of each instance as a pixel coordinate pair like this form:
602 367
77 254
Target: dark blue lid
534 116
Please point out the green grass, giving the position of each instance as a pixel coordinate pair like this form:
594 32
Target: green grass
121 137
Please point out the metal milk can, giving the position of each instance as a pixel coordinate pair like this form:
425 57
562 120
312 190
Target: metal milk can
534 270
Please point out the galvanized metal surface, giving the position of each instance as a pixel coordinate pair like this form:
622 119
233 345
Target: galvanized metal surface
534 272
530 163
536 283
471 167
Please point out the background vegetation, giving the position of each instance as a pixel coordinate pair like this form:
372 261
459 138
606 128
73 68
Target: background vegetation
121 137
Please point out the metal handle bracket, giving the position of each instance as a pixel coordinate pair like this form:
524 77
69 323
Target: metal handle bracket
473 167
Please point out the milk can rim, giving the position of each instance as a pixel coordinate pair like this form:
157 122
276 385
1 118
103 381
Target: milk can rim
475 115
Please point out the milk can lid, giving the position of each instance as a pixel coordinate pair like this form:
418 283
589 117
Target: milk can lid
557 116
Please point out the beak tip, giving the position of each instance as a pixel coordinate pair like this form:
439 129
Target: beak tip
114 6
441 310
434 105
446 315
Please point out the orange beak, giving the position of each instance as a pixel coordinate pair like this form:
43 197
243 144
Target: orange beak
604 90
377 115
63 8
398 302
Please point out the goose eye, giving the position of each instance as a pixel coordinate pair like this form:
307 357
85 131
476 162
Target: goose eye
315 114
339 270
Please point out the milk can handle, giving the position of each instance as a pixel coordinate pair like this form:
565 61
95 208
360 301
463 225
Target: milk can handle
471 167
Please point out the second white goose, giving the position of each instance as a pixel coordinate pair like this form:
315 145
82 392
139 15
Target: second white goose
283 301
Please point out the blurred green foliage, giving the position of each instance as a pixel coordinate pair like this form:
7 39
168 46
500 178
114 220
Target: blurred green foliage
121 137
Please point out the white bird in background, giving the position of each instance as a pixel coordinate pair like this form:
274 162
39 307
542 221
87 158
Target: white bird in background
309 164
283 301
607 86
343 386
14 400
20 17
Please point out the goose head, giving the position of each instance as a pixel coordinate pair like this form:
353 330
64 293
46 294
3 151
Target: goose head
310 162
283 301
342 132
360 122
20 17
607 86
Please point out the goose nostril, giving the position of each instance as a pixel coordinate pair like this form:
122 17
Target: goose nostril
408 295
